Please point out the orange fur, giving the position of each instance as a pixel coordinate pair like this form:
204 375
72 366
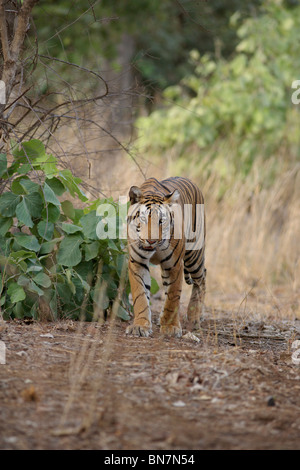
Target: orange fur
153 229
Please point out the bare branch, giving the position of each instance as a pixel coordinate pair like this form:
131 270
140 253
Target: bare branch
81 68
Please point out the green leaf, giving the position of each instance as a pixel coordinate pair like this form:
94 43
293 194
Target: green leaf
34 288
45 229
154 286
47 247
113 246
120 260
48 164
27 241
86 286
85 270
3 164
34 269
89 223
68 209
56 185
21 255
34 203
31 205
29 186
23 280
91 250
31 149
23 169
69 228
69 253
50 195
16 187
71 183
16 292
78 214
51 213
5 224
69 281
64 292
121 312
8 204
23 214
42 280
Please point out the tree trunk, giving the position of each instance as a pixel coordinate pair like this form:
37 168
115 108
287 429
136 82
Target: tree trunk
14 24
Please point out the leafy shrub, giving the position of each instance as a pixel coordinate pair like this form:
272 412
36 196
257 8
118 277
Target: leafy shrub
50 255
235 110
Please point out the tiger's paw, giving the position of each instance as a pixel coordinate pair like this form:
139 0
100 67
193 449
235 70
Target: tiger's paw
138 330
171 330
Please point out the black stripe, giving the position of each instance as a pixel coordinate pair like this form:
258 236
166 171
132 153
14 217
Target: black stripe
195 270
194 261
142 311
142 264
174 280
137 253
171 254
139 276
142 293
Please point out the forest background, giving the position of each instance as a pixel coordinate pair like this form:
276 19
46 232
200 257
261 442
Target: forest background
110 93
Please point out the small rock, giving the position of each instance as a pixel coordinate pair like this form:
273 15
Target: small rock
271 401
21 353
10 439
191 337
179 404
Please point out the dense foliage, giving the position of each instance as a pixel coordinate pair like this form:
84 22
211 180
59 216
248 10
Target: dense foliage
230 112
163 33
51 254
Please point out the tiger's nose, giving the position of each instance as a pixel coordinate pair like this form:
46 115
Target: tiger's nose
151 242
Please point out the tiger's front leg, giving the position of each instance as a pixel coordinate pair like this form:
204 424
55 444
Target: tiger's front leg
140 282
169 318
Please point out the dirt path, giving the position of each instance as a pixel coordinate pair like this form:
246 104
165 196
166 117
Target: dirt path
85 386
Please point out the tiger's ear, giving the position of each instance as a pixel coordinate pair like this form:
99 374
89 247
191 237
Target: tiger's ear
135 194
172 197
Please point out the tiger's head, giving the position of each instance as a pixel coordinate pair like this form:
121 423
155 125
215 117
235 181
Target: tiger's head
150 218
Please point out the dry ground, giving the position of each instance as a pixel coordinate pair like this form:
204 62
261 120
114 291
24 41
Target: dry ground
72 385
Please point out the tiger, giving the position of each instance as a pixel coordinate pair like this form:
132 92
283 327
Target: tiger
165 226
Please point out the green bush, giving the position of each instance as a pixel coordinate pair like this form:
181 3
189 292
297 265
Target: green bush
50 254
230 112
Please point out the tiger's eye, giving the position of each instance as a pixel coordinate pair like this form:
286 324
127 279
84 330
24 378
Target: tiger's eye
143 218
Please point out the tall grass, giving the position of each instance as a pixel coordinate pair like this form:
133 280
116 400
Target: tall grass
253 237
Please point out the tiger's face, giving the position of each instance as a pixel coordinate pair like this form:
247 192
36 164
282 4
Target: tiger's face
150 219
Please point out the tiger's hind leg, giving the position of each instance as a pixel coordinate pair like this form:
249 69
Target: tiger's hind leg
196 303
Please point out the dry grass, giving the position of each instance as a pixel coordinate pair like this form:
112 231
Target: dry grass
253 247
